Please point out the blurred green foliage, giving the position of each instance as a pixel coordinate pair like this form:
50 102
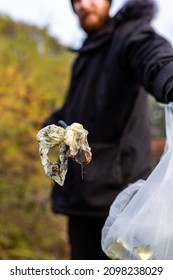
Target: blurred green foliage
34 74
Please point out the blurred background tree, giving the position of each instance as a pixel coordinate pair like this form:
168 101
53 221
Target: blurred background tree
158 134
34 74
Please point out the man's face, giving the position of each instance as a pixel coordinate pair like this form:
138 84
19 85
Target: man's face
92 14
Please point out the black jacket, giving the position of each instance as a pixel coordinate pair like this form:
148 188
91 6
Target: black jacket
110 77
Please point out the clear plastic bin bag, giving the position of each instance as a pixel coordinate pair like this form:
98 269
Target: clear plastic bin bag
140 222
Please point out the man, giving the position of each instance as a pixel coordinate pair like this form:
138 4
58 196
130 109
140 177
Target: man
121 59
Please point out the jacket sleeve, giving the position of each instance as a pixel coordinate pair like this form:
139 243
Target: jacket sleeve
56 116
53 118
150 57
60 113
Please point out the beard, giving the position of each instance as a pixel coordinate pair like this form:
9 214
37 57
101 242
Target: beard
91 22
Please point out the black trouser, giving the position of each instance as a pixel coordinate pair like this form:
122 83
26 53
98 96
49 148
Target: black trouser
85 238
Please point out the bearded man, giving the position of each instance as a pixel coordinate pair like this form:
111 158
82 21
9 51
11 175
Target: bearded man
121 60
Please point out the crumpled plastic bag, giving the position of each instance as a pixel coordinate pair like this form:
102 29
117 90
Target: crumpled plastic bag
140 223
70 142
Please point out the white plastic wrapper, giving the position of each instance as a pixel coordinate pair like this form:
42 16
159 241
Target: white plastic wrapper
140 223
71 142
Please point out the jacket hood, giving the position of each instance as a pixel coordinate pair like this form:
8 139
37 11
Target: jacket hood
135 9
